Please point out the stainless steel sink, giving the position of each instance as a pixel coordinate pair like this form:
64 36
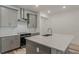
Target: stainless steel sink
47 35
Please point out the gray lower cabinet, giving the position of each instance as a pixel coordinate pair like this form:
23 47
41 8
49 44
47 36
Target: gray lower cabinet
35 48
9 42
56 51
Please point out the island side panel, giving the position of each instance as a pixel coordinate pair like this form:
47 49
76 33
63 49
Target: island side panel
35 48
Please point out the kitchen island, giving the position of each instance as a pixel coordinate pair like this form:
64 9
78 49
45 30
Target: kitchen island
58 42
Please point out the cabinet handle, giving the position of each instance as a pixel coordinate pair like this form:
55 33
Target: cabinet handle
37 49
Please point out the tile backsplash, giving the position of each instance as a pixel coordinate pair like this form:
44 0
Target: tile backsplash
21 28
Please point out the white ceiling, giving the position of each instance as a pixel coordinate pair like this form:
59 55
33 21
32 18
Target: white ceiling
53 8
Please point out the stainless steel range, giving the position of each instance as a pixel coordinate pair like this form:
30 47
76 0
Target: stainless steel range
22 38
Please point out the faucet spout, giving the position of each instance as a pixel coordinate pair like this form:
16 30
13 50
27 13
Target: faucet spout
50 31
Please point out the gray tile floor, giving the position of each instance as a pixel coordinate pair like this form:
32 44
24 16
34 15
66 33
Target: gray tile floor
18 51
21 50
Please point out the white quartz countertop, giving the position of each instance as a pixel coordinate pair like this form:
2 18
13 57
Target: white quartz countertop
57 41
4 35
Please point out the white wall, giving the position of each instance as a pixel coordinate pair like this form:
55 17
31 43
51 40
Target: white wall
66 23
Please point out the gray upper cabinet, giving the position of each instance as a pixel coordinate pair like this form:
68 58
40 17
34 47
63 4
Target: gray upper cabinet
28 16
32 21
8 17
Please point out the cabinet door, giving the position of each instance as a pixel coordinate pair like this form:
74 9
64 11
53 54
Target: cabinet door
10 42
30 47
43 49
34 48
33 21
8 16
6 44
16 41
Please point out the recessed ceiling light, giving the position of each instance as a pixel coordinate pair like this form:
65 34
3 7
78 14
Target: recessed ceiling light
36 5
64 7
49 11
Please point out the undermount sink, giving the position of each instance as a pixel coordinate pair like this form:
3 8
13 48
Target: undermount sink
47 35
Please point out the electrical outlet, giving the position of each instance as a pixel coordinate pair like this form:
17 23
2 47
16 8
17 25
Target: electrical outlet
37 49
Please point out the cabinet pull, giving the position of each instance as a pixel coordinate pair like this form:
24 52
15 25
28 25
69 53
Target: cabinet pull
37 49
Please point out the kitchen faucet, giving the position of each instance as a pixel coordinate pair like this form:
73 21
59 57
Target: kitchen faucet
50 31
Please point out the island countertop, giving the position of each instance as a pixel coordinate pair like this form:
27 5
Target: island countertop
56 41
